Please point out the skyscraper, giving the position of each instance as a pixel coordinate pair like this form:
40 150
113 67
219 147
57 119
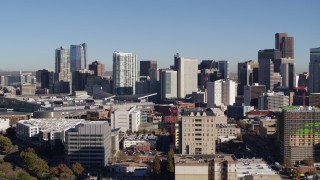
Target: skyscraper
125 73
98 68
78 57
248 74
145 66
187 76
269 74
221 92
285 44
314 71
62 71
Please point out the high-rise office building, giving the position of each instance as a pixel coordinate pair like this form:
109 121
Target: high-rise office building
303 79
98 68
62 71
285 44
248 74
89 143
145 66
273 101
299 133
288 73
269 73
125 73
314 71
221 92
168 84
187 76
78 57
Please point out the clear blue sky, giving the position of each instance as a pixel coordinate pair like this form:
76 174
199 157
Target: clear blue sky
30 31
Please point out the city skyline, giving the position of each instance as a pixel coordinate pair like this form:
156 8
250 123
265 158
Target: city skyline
153 30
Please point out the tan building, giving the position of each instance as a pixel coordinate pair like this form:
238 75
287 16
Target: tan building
228 130
267 127
198 131
204 167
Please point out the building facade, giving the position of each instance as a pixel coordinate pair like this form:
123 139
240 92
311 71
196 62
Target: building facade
98 68
169 84
78 57
221 92
125 73
299 133
198 132
285 44
145 66
314 71
89 143
272 101
187 76
63 77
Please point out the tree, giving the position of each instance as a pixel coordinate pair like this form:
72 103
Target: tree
7 146
156 166
170 161
287 163
122 156
23 175
65 172
77 169
33 163
307 162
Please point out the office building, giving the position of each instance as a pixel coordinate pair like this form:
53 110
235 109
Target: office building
98 68
126 117
314 71
46 79
221 92
299 133
288 73
63 79
89 143
198 131
169 84
27 89
125 73
285 44
248 74
210 71
269 73
44 129
78 57
303 79
145 67
252 93
80 79
272 101
187 76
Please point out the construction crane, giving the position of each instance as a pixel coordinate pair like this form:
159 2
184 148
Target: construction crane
304 90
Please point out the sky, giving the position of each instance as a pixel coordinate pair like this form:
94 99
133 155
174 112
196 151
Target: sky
30 31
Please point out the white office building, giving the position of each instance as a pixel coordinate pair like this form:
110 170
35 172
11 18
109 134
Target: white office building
187 76
221 92
126 118
272 101
45 129
125 73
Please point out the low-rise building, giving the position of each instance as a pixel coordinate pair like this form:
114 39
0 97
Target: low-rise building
267 127
45 129
132 169
4 125
228 130
133 140
142 146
